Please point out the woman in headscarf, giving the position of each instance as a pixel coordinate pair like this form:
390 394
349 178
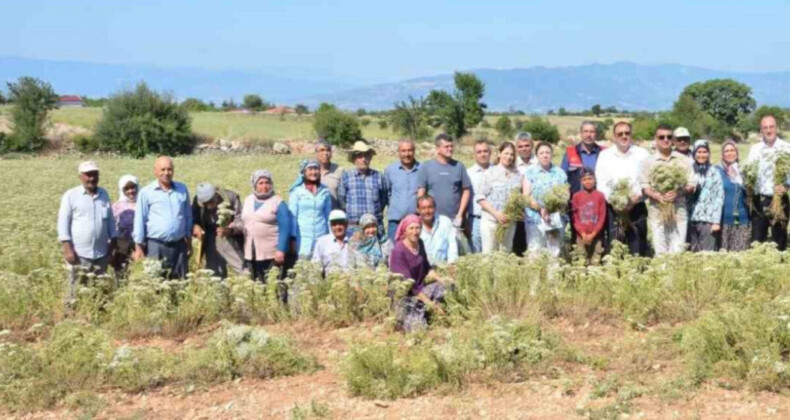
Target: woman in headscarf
735 217
369 251
310 203
123 212
706 203
267 227
409 259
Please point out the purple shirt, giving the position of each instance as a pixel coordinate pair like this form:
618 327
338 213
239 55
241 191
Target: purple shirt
410 266
123 211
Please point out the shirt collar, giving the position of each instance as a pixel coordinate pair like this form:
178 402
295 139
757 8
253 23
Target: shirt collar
413 167
581 149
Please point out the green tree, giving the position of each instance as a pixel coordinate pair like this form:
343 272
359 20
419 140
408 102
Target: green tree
361 112
32 100
2 98
194 105
562 111
411 119
301 109
596 110
542 130
504 126
724 99
229 105
336 127
141 121
254 102
458 110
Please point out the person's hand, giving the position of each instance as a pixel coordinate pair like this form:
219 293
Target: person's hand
669 197
279 258
715 228
632 200
500 217
138 254
779 189
458 221
689 189
197 232
544 214
69 255
435 307
223 232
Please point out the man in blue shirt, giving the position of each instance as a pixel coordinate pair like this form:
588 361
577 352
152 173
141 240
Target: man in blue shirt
362 189
401 180
163 221
86 227
583 155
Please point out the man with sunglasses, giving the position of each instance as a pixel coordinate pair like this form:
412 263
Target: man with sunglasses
667 237
683 142
623 162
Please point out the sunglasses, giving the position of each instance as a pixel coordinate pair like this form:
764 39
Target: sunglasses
623 134
667 137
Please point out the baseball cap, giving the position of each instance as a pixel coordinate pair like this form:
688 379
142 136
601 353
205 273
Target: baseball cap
205 192
682 132
88 166
336 215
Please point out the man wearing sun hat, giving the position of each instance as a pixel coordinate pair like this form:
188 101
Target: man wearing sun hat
86 227
222 245
682 141
362 189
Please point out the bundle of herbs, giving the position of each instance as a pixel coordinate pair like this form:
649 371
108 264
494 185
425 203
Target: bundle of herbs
781 172
514 212
664 179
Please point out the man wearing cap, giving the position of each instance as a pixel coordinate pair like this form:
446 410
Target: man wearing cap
332 250
86 227
682 142
401 179
362 189
221 245
163 221
330 172
446 180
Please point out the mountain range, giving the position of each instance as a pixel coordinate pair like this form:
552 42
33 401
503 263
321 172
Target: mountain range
624 85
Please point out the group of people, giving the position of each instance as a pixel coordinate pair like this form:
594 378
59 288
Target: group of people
435 210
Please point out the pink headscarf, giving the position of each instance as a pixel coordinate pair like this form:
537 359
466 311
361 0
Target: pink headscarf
405 223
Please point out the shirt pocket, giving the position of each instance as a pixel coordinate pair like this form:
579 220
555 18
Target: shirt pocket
457 186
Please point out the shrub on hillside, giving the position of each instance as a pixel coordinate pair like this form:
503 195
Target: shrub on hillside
143 121
541 130
336 127
32 99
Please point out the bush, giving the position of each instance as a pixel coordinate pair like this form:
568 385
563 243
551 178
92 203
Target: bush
336 127
364 122
504 127
541 130
301 109
142 121
32 99
86 143
383 124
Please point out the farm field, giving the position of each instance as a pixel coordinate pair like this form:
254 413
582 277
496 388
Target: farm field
693 336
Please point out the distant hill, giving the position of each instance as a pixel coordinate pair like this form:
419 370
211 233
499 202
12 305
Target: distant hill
99 80
539 89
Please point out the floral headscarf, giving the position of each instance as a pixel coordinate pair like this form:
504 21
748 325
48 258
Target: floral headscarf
306 163
407 221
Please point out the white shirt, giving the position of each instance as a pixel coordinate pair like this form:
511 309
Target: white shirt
331 253
612 166
766 157
87 222
440 243
522 166
476 176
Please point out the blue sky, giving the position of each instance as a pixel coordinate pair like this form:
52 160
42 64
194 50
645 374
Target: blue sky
376 41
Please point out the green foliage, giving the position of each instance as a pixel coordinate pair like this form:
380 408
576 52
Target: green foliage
601 127
364 122
664 178
562 112
3 99
751 123
336 127
514 211
255 102
301 109
142 121
556 199
27 299
382 124
459 110
195 105
504 127
32 99
361 112
411 119
596 110
724 99
686 112
541 130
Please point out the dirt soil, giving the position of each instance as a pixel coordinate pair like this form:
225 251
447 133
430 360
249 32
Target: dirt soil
635 358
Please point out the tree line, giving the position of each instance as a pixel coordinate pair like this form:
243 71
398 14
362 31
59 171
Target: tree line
142 121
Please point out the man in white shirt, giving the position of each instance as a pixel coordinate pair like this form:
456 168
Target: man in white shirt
525 159
624 162
332 250
475 172
764 153
438 233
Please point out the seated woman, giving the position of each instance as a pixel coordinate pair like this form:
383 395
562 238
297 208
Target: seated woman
409 259
369 251
267 227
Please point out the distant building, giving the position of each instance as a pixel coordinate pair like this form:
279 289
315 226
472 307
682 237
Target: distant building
70 101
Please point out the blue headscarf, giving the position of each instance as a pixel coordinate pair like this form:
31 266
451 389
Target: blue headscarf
306 163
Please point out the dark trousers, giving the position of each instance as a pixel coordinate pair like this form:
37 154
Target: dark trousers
762 221
173 256
259 270
520 240
634 235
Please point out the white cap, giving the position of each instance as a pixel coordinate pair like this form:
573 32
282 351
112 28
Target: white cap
88 166
682 132
336 215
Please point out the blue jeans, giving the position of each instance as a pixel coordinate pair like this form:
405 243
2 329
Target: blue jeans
173 255
392 227
477 242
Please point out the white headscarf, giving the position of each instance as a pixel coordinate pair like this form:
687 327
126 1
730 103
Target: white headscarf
122 183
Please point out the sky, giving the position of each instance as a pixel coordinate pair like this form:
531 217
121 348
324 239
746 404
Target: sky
375 41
